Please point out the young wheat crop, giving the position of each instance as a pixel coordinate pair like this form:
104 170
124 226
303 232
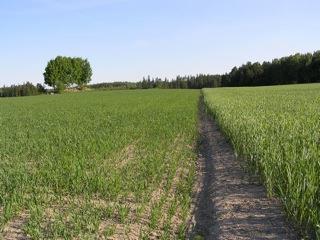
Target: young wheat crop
276 130
105 164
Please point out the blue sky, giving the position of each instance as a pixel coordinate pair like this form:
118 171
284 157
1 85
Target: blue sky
125 40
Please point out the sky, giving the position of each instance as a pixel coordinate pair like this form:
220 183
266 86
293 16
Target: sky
125 40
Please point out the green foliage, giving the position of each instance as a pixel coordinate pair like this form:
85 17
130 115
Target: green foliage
183 82
27 89
78 162
63 72
114 85
276 129
297 68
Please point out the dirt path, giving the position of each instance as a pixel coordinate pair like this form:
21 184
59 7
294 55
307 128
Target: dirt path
14 229
229 205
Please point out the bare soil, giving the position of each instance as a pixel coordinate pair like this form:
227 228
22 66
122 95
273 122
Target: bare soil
14 229
229 204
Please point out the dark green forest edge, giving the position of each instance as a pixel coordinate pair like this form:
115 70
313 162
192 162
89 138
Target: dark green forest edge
293 69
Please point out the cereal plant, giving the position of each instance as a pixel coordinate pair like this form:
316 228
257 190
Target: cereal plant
108 164
276 130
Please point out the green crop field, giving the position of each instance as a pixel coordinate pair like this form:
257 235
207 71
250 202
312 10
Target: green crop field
276 129
122 164
98 164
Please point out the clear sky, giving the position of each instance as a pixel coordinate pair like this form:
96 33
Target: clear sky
125 40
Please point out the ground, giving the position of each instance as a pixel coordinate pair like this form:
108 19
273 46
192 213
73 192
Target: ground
230 204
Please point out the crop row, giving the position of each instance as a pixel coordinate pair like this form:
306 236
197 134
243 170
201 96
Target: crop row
276 130
98 164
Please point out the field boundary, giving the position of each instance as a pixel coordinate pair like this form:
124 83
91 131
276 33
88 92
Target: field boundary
229 204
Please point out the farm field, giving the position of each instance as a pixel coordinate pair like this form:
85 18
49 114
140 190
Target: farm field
276 130
124 164
105 164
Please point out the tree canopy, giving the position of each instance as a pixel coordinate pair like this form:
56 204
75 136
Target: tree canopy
63 72
297 68
26 89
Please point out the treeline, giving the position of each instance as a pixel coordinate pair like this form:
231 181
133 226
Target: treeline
193 82
63 72
114 85
26 89
297 68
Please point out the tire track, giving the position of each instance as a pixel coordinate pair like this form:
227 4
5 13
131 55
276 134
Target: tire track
230 205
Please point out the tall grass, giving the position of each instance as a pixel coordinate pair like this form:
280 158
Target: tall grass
276 129
83 164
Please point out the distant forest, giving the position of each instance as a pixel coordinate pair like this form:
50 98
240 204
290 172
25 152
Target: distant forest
297 68
26 89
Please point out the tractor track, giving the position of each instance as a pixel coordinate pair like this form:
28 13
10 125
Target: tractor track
229 204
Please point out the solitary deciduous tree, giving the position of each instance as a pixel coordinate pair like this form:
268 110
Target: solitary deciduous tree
63 72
